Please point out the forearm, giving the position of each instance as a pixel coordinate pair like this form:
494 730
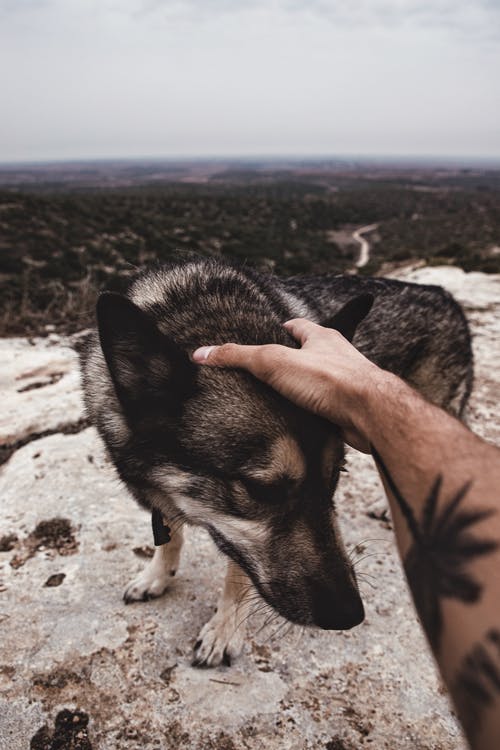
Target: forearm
444 491
443 484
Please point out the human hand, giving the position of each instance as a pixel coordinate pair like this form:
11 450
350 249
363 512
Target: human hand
327 375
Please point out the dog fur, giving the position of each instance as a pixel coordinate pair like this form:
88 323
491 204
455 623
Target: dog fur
218 449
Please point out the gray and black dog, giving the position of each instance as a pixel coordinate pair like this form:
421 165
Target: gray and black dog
217 449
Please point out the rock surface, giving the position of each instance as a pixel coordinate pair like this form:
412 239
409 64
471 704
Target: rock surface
30 406
72 645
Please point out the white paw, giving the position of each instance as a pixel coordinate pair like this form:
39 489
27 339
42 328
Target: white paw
150 584
220 640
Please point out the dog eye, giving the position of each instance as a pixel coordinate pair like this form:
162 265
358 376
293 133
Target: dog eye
272 494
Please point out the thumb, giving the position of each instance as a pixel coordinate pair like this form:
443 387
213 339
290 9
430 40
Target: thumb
202 354
226 355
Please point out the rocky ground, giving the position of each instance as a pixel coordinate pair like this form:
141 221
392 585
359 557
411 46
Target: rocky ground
82 671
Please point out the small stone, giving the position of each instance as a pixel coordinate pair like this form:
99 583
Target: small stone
55 580
17 561
144 551
8 542
166 675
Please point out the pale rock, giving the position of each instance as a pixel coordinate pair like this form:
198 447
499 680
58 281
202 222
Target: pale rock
77 645
39 386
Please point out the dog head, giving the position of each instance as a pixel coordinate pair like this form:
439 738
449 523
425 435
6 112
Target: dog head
223 451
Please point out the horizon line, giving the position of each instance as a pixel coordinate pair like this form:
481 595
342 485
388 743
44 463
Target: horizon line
242 157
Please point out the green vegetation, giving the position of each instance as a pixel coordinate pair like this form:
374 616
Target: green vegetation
59 247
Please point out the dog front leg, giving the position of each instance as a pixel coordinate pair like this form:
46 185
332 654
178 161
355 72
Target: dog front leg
157 575
222 638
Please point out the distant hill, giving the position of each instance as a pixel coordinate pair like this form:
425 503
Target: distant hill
67 231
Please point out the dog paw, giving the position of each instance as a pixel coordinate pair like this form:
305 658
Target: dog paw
148 585
220 641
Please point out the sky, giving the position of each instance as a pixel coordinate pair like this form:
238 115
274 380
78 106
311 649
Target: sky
84 79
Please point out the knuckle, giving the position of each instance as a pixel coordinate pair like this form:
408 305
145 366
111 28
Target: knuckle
226 355
267 359
333 334
261 358
231 353
225 351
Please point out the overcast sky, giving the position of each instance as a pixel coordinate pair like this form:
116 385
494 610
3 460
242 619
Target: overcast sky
131 78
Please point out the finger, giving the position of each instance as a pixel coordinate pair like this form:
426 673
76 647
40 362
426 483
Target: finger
301 328
202 354
226 355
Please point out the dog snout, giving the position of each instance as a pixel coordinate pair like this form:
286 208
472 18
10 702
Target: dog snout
332 611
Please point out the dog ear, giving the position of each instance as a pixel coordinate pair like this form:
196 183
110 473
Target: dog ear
145 365
350 315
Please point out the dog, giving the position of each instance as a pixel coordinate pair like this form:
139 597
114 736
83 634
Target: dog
218 449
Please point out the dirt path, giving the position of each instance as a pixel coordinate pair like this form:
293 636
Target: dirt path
364 253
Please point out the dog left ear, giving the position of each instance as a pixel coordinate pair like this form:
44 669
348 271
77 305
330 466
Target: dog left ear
350 316
145 365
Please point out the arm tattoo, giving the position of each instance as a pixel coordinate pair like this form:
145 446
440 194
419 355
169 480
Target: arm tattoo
437 562
476 686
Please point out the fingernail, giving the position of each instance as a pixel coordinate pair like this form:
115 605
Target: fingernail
202 354
286 323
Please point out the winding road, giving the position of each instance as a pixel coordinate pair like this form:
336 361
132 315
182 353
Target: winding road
364 252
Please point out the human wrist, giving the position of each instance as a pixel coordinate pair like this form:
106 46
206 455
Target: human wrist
371 397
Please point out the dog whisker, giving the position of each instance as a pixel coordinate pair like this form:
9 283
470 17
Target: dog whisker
368 583
253 612
272 617
275 632
359 547
364 573
364 557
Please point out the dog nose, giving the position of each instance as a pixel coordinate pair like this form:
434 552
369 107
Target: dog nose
331 611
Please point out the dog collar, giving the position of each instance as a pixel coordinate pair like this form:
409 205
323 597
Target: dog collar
161 532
